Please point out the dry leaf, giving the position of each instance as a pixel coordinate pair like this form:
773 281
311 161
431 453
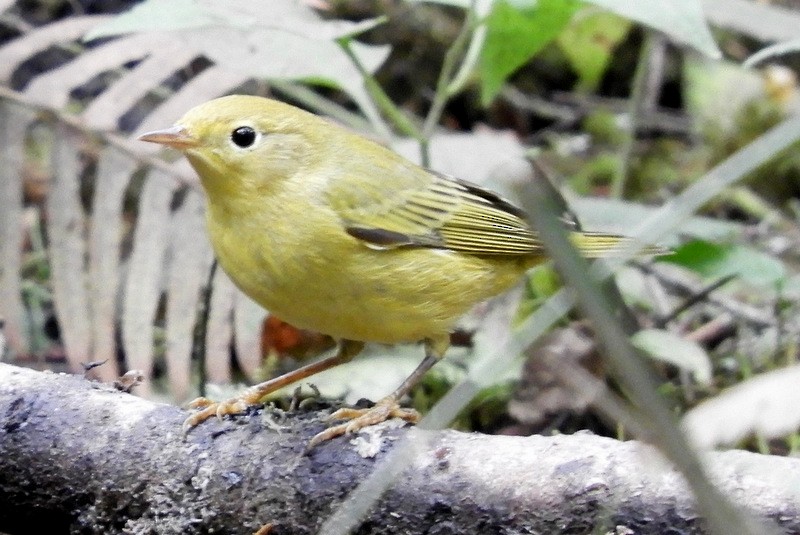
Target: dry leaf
766 405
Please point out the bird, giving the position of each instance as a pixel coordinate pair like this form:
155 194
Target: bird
336 233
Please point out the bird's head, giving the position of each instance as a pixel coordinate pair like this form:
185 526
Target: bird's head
242 142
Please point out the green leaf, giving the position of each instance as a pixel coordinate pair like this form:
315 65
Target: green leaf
515 33
716 261
518 29
542 283
589 42
681 20
764 405
668 347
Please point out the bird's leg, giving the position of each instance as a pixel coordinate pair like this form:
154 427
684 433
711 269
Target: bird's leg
388 407
253 395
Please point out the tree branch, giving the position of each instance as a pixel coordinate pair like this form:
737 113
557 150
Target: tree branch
80 457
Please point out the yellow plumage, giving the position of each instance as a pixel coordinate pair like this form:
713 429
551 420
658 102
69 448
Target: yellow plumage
336 233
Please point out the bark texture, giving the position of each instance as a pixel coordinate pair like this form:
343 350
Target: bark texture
78 457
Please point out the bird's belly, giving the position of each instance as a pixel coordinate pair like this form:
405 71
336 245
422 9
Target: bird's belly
391 296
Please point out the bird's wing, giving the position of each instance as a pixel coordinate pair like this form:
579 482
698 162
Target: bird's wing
436 211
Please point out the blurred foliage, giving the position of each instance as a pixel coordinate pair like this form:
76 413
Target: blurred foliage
715 261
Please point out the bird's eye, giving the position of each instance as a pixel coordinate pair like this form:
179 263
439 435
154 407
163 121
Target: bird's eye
243 137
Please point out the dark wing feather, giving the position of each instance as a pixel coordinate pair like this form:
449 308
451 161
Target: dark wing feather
439 211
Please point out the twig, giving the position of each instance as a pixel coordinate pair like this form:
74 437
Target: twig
689 287
714 330
542 107
662 120
693 299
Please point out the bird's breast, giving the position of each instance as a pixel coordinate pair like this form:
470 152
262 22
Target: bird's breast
312 274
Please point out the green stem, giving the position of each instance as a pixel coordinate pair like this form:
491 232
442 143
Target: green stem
313 100
443 84
379 96
635 108
471 58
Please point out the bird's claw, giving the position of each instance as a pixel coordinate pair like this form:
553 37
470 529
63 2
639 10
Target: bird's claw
200 403
383 410
209 409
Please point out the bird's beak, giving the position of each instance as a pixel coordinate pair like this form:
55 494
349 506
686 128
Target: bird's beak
176 137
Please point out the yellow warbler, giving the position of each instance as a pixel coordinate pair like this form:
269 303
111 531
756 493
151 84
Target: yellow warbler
332 232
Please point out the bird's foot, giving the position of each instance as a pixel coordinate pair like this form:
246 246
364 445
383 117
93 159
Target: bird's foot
209 409
360 418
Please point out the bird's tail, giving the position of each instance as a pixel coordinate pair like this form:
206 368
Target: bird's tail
602 245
